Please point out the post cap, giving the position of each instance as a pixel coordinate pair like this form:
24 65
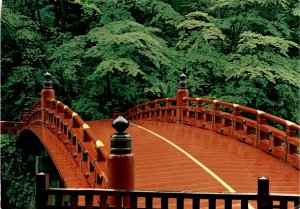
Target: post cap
183 82
120 142
47 84
120 124
26 107
47 76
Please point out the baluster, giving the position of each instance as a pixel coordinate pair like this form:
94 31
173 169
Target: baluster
244 204
164 203
149 202
58 201
283 204
74 201
133 202
180 202
228 203
88 201
118 202
212 203
296 203
103 202
196 203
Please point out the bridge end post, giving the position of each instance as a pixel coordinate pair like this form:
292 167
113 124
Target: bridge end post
263 201
120 164
181 93
47 92
42 183
25 114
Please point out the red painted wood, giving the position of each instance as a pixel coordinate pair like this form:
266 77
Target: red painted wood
159 166
64 162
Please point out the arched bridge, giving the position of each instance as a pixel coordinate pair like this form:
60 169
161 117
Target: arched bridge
180 152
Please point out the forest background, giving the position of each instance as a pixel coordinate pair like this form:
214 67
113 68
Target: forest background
104 54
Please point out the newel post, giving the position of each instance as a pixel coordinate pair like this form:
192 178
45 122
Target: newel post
47 92
263 201
42 183
25 114
120 165
181 93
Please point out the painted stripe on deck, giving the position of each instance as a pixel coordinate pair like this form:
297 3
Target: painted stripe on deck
215 176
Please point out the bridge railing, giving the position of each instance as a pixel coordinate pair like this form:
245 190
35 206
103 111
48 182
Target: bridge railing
10 127
68 126
98 198
267 132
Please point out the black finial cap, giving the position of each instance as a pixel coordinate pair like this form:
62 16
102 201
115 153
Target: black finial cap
26 107
120 124
47 76
182 77
47 84
183 82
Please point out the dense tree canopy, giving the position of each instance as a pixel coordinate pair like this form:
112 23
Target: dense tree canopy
104 54
117 53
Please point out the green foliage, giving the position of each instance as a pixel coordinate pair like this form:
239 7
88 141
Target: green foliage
109 53
17 172
198 28
104 54
250 42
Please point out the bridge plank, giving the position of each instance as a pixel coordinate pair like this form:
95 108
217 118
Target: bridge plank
161 167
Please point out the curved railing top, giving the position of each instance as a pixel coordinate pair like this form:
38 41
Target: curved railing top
265 131
78 122
73 131
171 103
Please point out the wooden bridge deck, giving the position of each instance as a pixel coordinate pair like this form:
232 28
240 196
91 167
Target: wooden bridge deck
182 158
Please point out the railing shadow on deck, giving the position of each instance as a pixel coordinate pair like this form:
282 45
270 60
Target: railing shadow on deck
71 198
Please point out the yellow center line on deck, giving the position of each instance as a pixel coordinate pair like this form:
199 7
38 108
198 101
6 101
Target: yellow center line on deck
215 176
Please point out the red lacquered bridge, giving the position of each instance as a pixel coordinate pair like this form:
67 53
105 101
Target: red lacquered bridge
177 152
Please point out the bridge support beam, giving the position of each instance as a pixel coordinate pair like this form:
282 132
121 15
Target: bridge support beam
47 93
181 93
120 165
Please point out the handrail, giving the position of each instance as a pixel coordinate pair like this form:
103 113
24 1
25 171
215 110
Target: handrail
251 126
73 131
93 198
10 127
78 122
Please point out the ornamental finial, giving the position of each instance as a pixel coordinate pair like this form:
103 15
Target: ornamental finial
183 82
120 124
47 84
120 142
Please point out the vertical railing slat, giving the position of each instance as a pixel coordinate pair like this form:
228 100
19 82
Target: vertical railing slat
88 201
244 203
196 203
133 202
283 204
118 202
228 203
212 203
149 202
179 202
164 203
74 201
103 202
58 201
296 203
